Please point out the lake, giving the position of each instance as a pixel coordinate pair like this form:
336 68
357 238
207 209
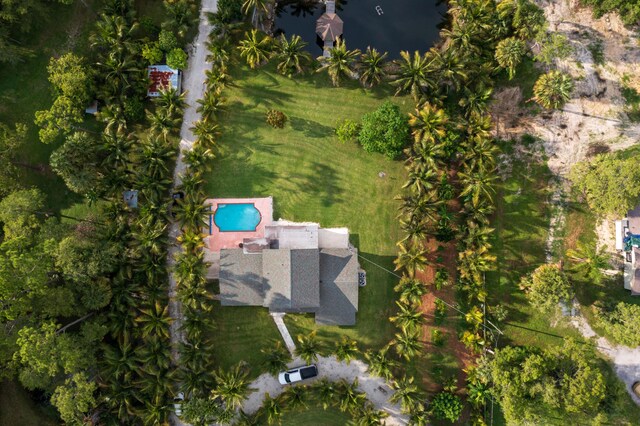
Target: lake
388 25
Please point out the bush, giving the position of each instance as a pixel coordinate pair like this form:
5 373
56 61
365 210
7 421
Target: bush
133 109
546 287
276 119
385 130
440 312
229 11
152 53
622 323
437 337
446 406
347 130
167 41
441 278
177 59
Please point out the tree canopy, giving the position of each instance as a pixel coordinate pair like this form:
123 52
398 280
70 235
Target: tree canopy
385 130
546 287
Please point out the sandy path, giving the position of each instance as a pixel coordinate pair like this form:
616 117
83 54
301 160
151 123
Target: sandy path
377 390
193 79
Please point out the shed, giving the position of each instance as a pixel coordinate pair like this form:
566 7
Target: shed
162 76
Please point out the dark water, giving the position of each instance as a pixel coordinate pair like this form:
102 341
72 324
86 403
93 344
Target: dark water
404 25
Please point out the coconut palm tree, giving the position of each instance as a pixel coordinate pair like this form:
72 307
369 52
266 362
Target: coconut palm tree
407 344
477 186
308 347
408 318
295 397
350 398
255 48
245 419
428 123
451 68
340 63
553 89
191 213
272 407
206 133
368 416
346 349
475 101
509 53
171 101
258 9
407 394
120 362
328 393
416 230
412 258
421 178
156 410
276 358
372 67
155 353
411 290
291 56
479 154
588 260
211 105
414 74
380 364
232 386
429 154
155 320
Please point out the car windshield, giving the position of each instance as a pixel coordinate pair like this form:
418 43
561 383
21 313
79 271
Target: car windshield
286 378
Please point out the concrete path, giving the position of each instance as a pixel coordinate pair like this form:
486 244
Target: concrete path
193 81
278 318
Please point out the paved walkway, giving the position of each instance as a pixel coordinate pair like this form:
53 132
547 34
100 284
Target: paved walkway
278 318
193 79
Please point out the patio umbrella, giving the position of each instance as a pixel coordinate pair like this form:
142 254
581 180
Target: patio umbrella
329 26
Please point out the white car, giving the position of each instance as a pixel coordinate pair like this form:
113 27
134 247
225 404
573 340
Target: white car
177 404
297 374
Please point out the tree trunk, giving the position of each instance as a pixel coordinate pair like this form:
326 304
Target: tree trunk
62 330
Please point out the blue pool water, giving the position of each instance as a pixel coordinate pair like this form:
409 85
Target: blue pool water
237 217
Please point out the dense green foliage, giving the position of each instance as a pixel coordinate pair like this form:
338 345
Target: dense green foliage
384 130
621 322
609 183
347 130
446 406
546 287
629 10
553 89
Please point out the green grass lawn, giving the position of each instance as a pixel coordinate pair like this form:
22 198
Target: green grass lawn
312 415
17 408
312 177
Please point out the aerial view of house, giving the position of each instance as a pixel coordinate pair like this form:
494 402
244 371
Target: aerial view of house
319 212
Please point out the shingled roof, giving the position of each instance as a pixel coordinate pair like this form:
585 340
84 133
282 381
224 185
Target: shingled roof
338 287
241 280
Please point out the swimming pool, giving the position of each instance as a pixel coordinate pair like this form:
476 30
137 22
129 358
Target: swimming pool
240 217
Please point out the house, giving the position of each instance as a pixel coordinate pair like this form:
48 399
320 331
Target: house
289 267
628 242
162 76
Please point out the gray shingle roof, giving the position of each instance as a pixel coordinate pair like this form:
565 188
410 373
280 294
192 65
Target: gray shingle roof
241 281
338 287
305 275
276 269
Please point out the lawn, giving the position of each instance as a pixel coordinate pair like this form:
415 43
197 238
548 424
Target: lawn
313 177
17 408
312 414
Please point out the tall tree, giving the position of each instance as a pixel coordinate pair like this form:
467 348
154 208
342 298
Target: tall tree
291 56
414 74
340 63
232 386
553 89
372 67
255 48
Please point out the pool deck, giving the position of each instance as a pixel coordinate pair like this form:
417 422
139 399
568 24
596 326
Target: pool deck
217 240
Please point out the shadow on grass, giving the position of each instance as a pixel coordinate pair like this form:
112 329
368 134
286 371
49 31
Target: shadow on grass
310 129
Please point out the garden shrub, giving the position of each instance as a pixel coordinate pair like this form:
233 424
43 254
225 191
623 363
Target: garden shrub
546 287
385 130
276 119
167 41
441 278
177 59
621 323
347 130
437 337
152 53
446 406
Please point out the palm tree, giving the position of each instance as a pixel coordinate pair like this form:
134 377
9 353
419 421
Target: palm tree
295 397
154 352
272 408
411 290
171 101
206 132
588 260
407 344
231 386
255 48
380 364
350 398
368 416
480 154
308 347
412 259
211 105
421 178
291 56
408 318
475 101
328 392
120 362
407 394
346 349
413 74
340 62
509 53
372 67
191 213
156 410
155 320
258 9
477 185
553 89
199 158
428 123
276 358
